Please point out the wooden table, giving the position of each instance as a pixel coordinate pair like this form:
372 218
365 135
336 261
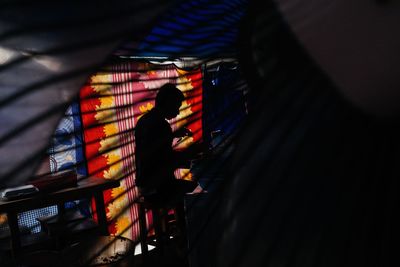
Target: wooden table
86 188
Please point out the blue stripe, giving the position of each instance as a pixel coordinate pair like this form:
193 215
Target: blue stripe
81 166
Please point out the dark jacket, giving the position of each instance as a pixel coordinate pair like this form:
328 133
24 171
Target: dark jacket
155 158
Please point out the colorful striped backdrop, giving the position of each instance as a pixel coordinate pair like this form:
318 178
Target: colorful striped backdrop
111 104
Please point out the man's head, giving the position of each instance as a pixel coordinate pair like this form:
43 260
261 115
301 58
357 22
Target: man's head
169 100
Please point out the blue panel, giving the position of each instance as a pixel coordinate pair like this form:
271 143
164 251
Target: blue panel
194 28
80 159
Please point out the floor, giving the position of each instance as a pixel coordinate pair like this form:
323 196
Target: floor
172 256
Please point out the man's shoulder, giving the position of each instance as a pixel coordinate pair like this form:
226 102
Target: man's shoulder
151 119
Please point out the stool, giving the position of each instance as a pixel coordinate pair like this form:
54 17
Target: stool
160 222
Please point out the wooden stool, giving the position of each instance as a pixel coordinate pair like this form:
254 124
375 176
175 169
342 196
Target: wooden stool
160 223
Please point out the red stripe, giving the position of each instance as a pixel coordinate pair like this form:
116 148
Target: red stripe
124 138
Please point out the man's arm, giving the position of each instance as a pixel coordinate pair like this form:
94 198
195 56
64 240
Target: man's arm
183 157
182 132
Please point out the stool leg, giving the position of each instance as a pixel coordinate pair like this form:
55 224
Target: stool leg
182 240
143 230
157 217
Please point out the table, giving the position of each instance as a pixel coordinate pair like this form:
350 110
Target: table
86 188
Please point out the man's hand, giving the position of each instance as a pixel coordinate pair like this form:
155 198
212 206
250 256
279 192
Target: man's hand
197 190
197 150
182 132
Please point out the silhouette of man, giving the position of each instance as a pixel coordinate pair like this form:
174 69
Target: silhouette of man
156 160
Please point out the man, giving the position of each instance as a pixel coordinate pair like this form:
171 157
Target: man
156 160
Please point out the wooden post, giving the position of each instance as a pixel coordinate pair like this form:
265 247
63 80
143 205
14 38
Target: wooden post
14 231
101 213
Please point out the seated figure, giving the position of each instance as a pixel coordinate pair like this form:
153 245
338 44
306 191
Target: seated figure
156 160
